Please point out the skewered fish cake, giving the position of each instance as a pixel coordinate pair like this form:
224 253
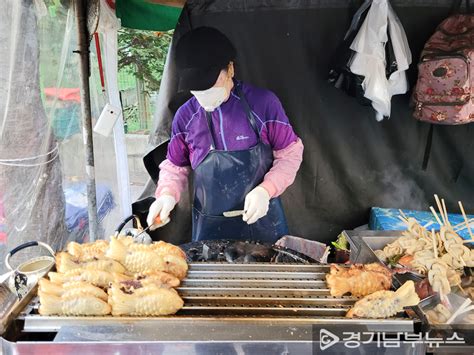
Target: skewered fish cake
95 277
81 305
359 280
143 300
66 262
390 250
87 251
383 304
71 289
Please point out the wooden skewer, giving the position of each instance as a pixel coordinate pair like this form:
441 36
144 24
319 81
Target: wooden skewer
440 208
403 219
465 219
443 239
436 216
428 224
463 228
403 214
445 212
435 247
463 224
462 289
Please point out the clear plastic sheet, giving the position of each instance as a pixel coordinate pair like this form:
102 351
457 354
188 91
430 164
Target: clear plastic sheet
42 161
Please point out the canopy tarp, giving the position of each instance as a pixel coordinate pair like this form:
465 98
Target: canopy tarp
351 161
153 15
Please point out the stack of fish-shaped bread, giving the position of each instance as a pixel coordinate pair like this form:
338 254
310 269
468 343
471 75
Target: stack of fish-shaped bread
119 277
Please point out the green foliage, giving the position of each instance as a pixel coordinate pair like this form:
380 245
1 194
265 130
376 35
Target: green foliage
143 54
341 243
393 260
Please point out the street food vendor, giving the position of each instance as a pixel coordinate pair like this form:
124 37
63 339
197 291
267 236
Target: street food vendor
237 141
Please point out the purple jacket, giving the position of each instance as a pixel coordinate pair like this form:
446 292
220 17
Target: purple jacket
190 137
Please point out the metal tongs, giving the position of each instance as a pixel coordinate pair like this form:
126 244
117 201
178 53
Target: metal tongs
138 234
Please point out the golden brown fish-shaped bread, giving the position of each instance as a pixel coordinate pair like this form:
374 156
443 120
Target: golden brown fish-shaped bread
146 260
143 300
96 277
383 304
71 289
358 280
167 248
158 277
66 262
81 305
87 251
160 247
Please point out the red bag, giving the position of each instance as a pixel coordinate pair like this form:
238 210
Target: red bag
444 92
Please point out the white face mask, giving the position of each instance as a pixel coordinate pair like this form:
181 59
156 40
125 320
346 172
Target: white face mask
211 98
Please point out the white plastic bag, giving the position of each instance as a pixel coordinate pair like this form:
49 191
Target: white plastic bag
370 62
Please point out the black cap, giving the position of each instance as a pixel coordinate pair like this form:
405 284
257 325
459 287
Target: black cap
200 56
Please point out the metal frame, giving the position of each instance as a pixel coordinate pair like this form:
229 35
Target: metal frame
81 7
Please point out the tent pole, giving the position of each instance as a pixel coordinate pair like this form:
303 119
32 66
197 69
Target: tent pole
83 51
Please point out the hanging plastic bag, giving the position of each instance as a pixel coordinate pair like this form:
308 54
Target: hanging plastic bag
340 75
370 59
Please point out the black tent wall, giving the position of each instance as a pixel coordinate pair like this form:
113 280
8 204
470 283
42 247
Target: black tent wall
351 162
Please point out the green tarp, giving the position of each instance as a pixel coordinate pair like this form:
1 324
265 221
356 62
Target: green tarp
146 15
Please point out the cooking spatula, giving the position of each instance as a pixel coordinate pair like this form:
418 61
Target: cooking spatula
234 213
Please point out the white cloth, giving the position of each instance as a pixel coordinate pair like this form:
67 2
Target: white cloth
162 206
107 19
370 62
256 204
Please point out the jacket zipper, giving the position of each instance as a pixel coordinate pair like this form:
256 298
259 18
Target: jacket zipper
221 126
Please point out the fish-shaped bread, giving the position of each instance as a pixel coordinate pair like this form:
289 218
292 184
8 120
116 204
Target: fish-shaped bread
159 247
158 278
139 261
87 251
96 277
71 289
167 248
383 304
81 305
358 280
143 300
66 262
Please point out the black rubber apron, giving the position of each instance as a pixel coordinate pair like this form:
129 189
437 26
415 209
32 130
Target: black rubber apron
221 182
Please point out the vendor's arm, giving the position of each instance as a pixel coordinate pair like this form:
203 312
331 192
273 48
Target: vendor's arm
173 179
287 148
174 171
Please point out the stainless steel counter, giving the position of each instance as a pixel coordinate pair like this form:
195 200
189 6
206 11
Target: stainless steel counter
229 308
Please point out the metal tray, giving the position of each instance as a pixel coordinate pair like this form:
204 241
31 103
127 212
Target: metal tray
366 243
